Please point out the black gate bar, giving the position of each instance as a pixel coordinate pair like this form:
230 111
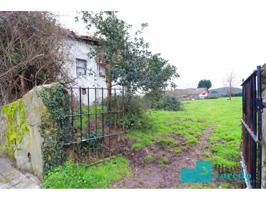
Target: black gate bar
252 128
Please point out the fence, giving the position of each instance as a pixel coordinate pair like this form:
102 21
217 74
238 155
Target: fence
252 129
95 122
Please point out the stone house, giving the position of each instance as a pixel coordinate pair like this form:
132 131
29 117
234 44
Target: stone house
85 70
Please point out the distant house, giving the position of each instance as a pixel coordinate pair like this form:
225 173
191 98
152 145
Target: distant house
189 93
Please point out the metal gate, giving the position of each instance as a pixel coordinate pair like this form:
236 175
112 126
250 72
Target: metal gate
252 128
95 123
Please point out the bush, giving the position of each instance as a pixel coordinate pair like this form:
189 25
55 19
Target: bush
212 97
135 115
161 102
168 103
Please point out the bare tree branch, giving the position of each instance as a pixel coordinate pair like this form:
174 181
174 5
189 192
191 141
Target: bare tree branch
31 52
229 83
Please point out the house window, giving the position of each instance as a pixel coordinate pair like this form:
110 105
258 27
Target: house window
81 67
83 90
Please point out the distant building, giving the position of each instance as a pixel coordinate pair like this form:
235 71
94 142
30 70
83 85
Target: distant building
189 93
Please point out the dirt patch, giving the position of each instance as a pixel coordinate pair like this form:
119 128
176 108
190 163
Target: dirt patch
163 167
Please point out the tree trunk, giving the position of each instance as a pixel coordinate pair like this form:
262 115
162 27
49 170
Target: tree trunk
230 92
109 89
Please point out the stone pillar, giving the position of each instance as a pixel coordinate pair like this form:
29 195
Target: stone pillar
28 132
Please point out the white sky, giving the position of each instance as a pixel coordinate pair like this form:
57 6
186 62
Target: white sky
205 39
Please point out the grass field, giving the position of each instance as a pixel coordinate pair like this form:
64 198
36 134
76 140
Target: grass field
224 141
73 175
221 114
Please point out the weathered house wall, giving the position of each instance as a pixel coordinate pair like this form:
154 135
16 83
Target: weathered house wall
95 77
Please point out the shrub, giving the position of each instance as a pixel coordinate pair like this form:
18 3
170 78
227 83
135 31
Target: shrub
212 97
135 115
168 103
161 102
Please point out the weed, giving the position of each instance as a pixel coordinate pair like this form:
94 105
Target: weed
163 160
176 150
149 158
167 142
136 146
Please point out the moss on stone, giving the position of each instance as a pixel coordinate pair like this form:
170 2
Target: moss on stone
16 126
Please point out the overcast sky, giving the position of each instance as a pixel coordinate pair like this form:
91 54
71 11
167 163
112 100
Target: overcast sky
203 39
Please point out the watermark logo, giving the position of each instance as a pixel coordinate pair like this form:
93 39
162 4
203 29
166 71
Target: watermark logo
202 173
205 172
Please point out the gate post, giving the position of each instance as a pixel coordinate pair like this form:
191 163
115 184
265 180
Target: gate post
259 111
262 145
254 87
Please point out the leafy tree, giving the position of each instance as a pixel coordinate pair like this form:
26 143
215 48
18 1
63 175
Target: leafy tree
128 61
205 84
123 56
156 78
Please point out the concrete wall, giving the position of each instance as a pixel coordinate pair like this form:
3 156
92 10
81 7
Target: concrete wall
20 131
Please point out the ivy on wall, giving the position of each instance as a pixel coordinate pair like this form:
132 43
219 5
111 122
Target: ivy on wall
54 127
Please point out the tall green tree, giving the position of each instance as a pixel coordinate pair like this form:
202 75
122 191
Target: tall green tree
205 84
157 77
130 62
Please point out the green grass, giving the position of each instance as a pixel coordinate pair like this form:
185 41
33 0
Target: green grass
71 175
167 142
163 161
148 158
166 123
92 110
221 114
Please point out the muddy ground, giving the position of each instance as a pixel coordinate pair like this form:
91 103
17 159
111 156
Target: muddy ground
163 170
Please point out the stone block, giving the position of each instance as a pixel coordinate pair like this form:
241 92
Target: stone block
21 135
